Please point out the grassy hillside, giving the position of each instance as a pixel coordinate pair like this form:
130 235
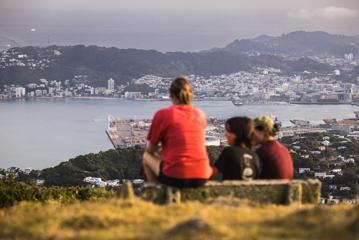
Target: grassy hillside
222 219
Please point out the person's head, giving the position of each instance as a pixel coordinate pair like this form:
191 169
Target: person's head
265 129
239 131
181 91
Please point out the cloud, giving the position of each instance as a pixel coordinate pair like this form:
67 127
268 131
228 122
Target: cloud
332 12
329 12
301 14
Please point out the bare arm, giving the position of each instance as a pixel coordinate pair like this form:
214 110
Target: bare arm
154 150
151 149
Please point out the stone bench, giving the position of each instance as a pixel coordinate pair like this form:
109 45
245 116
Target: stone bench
259 191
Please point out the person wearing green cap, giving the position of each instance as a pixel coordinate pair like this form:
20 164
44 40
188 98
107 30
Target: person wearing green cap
275 157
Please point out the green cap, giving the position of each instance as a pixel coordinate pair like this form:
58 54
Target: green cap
264 121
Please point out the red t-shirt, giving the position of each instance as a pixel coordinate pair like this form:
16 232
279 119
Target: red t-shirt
276 161
181 131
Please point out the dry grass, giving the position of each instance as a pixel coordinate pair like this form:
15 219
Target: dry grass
223 219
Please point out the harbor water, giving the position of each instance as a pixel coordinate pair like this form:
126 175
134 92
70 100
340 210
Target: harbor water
44 132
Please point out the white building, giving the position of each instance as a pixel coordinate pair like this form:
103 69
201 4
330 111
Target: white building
349 56
303 170
344 188
337 72
27 170
111 84
95 181
44 81
38 93
138 181
320 175
212 141
133 95
20 92
321 148
40 182
113 183
337 170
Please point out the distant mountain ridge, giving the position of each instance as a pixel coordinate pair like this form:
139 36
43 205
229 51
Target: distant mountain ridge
123 65
298 43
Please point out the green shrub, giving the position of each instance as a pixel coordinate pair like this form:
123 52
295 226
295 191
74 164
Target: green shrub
12 191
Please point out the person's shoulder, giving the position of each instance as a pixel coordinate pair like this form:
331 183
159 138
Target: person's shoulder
228 150
280 145
199 112
163 111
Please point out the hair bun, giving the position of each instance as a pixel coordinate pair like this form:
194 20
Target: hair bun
181 90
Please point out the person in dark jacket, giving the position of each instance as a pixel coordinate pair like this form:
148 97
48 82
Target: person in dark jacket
238 161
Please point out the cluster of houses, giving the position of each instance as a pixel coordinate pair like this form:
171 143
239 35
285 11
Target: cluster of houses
98 182
14 172
14 57
335 165
261 86
57 89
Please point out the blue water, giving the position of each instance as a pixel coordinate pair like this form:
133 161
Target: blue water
44 132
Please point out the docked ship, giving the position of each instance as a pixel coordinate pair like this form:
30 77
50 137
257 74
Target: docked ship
347 121
300 123
237 102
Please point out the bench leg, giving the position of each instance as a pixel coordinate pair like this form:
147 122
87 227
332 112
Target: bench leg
294 193
173 195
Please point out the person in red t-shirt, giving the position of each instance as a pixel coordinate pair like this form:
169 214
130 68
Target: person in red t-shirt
176 154
275 157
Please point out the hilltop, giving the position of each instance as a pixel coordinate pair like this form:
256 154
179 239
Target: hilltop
222 219
298 43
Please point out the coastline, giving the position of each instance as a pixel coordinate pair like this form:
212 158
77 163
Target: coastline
168 100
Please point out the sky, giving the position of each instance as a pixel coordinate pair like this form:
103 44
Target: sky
169 25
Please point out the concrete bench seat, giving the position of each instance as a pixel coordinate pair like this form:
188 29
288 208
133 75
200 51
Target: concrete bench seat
259 191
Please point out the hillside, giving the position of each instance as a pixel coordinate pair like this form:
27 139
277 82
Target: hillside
222 219
99 64
111 164
299 43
